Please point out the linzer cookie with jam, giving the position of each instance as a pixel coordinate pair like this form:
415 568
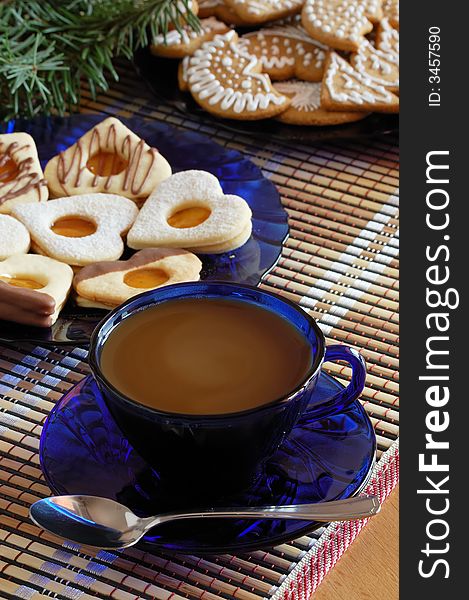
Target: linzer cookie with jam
189 210
21 176
226 80
79 230
185 41
33 289
14 237
287 51
108 158
306 108
108 284
345 88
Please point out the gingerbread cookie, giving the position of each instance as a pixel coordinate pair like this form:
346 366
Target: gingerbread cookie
33 289
373 10
109 158
381 67
261 11
218 8
345 88
387 38
108 284
287 51
306 108
14 237
21 177
341 24
190 210
79 230
177 44
226 80
182 74
391 12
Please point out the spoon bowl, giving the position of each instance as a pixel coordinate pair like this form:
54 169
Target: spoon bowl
105 523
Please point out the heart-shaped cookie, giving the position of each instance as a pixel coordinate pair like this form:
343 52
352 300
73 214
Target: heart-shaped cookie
341 24
108 158
108 284
14 237
21 177
190 210
226 81
33 289
79 230
287 51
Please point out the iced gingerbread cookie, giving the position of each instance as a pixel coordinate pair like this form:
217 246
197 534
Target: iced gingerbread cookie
218 8
21 177
387 38
177 44
261 11
79 230
381 67
190 210
287 51
108 158
306 109
345 88
33 289
14 237
391 12
226 80
108 284
341 24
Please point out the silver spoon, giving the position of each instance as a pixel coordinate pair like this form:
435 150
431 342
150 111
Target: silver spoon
105 523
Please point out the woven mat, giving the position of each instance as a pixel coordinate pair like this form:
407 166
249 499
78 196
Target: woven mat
340 263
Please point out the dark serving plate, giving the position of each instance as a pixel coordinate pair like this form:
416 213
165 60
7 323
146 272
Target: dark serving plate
184 150
160 74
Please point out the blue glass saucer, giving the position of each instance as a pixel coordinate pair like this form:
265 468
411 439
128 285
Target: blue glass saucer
184 150
83 452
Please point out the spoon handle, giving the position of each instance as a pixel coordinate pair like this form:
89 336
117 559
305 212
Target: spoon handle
338 510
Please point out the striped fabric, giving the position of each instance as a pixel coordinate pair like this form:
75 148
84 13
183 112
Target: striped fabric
340 263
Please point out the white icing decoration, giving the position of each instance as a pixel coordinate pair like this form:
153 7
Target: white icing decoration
187 34
204 78
306 95
281 52
360 88
377 64
338 19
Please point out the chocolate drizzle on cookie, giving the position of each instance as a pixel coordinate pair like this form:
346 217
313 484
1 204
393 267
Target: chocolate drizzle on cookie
21 180
134 179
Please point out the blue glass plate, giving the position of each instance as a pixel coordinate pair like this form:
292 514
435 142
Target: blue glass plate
83 452
184 150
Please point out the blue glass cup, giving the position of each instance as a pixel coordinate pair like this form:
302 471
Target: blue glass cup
204 458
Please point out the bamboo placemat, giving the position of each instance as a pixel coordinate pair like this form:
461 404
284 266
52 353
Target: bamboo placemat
340 263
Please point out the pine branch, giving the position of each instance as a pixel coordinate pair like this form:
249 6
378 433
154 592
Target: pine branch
48 46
